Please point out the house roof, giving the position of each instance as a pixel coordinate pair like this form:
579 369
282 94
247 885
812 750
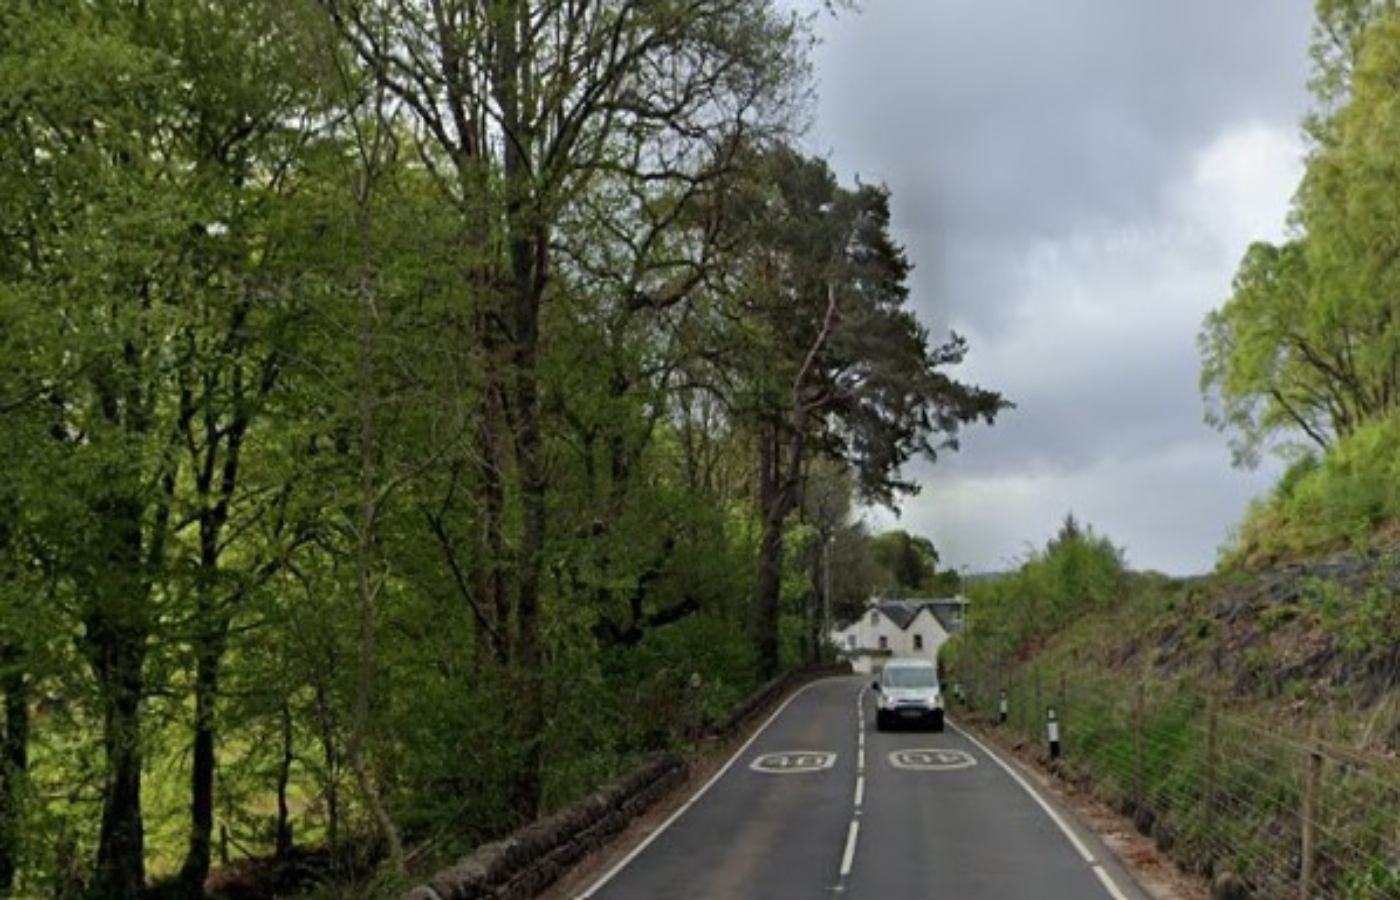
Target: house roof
903 612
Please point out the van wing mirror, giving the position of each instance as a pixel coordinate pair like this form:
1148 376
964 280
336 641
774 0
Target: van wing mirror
875 686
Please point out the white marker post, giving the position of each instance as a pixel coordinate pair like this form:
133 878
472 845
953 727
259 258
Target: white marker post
1003 707
1052 732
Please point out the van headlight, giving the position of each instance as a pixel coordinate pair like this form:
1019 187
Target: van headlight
936 702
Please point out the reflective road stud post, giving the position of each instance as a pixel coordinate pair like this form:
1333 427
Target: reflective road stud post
1052 732
1003 707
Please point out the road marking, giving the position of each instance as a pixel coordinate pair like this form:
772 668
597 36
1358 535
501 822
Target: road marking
1113 890
860 760
1025 785
1108 884
793 762
849 856
860 790
621 864
932 759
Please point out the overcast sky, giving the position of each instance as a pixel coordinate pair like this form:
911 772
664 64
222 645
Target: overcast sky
1075 182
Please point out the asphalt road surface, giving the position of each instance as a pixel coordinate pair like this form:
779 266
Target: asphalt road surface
820 804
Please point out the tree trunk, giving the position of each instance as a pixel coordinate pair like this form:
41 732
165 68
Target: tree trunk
768 586
14 765
527 243
284 777
492 588
331 759
816 601
197 859
116 632
778 496
529 658
121 866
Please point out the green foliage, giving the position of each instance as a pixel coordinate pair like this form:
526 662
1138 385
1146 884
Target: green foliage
1077 573
1364 622
372 481
1307 345
908 561
1343 501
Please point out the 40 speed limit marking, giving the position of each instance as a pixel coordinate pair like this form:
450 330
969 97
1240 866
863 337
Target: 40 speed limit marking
790 762
932 759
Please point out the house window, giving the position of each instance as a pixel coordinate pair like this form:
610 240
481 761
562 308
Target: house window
874 617
851 641
918 642
884 642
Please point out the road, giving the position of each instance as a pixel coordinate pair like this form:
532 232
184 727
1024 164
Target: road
819 804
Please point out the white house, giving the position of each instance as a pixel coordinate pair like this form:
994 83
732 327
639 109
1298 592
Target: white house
913 627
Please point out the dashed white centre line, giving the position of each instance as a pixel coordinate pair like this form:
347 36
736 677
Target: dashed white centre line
849 856
860 760
860 790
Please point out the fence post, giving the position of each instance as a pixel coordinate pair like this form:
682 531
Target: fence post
1309 814
1212 762
1139 789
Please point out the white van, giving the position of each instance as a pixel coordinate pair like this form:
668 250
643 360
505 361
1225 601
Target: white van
908 694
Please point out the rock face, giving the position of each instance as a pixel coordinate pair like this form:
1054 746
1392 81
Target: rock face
528 861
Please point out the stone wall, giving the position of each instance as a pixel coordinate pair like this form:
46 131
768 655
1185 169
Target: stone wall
528 861
770 692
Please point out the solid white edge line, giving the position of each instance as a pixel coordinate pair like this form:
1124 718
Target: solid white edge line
849 856
646 842
1108 883
1025 785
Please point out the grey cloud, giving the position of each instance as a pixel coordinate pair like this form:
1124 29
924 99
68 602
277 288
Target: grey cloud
1038 154
969 108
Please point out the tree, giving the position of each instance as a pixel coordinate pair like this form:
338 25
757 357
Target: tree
1309 343
838 367
910 562
519 108
368 367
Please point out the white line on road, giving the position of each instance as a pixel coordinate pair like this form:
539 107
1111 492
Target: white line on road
637 850
849 856
860 790
1108 884
860 760
1113 890
1025 785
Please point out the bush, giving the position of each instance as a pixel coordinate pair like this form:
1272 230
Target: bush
1320 506
1076 572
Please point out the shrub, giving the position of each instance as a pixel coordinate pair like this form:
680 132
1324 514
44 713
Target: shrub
1319 506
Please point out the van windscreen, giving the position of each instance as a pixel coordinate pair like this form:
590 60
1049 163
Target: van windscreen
901 677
